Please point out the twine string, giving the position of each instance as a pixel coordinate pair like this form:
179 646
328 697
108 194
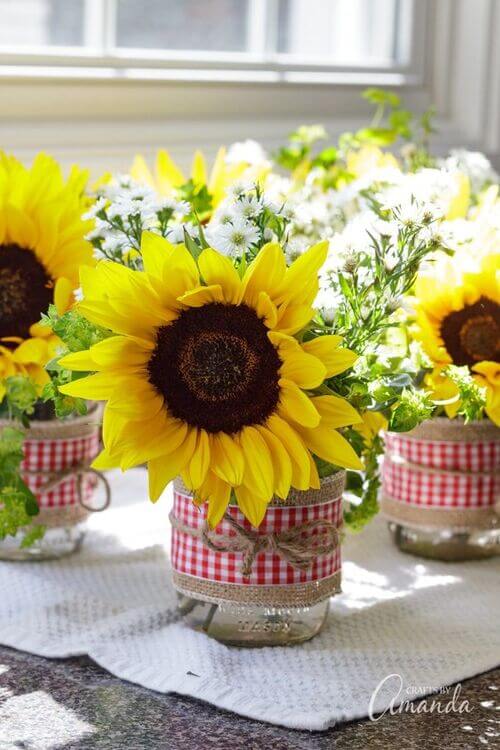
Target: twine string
80 471
295 546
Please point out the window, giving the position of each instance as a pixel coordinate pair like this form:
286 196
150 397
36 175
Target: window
273 37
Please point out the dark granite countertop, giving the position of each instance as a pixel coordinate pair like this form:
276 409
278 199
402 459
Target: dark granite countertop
72 704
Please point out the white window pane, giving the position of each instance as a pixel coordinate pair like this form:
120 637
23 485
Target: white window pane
35 23
211 25
339 31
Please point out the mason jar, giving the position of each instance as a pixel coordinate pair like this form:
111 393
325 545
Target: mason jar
269 586
441 488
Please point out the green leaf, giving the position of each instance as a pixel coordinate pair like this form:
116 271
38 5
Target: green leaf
377 136
191 245
379 96
33 535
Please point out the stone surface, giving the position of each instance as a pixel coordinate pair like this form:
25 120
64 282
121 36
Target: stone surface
73 704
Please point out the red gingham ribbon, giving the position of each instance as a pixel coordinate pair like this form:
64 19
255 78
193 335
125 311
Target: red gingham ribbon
192 557
459 474
52 456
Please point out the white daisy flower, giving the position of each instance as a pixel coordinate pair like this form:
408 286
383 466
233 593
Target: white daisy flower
236 238
247 207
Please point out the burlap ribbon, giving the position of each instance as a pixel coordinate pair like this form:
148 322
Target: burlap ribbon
295 546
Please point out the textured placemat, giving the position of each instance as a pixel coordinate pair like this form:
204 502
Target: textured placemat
431 623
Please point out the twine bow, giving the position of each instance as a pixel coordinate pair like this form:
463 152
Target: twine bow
80 471
292 545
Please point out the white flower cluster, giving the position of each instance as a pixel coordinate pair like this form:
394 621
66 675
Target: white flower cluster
371 232
124 209
475 165
240 224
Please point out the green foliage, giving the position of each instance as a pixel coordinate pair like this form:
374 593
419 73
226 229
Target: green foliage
367 301
198 196
75 331
391 122
20 398
413 407
18 505
472 396
299 149
364 487
64 406
77 334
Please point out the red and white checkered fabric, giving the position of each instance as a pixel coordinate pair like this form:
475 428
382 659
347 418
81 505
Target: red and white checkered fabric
465 475
192 557
47 455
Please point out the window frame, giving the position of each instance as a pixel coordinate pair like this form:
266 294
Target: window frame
103 59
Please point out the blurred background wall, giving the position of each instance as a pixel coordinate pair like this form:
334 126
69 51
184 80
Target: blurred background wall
97 80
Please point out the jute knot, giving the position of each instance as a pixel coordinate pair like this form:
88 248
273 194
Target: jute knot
80 471
295 546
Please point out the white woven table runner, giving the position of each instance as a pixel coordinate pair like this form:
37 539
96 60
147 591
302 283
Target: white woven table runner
431 623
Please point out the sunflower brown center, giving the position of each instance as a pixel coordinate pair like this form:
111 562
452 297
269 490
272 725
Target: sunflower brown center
25 290
472 334
216 368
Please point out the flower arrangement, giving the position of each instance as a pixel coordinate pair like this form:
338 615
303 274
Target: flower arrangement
42 249
139 234
207 365
457 325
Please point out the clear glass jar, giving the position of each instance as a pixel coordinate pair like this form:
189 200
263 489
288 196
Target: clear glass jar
246 625
57 542
446 544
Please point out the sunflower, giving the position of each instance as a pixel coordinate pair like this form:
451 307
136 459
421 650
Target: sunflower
168 178
206 377
42 247
458 322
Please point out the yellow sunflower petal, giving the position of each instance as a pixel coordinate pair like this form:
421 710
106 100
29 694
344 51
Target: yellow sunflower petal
294 318
120 352
95 387
267 310
227 458
202 295
195 472
294 404
329 445
217 269
305 370
63 295
314 480
216 493
79 361
281 461
295 448
168 173
301 279
264 274
258 473
165 468
199 169
253 507
105 461
31 350
156 252
336 411
326 349
141 449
